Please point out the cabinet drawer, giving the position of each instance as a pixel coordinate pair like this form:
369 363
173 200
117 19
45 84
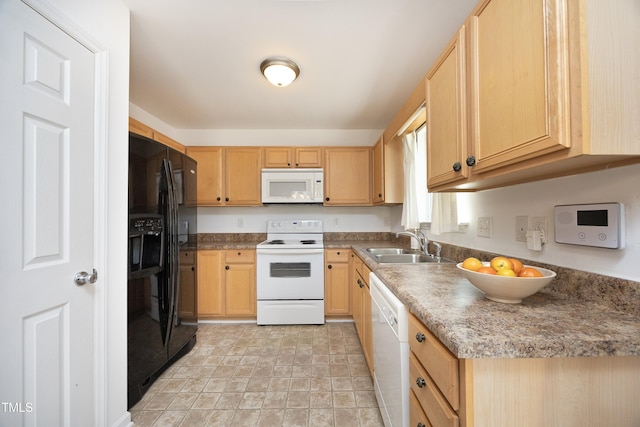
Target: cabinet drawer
187 257
336 255
240 256
433 403
417 417
441 364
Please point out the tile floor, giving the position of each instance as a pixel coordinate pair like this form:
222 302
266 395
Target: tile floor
249 375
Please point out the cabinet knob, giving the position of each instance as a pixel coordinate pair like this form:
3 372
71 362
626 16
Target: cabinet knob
420 382
288 164
296 164
329 267
420 337
193 269
327 199
380 195
471 161
360 283
218 198
226 199
226 267
337 253
457 167
239 253
420 425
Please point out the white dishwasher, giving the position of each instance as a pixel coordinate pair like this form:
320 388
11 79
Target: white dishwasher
390 354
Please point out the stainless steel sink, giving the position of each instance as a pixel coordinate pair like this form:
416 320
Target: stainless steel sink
412 258
391 251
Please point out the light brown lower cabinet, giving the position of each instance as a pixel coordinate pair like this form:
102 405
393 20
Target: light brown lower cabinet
361 307
556 391
337 278
226 284
187 299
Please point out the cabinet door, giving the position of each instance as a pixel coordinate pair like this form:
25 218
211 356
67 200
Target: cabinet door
446 115
519 81
337 293
378 172
308 157
278 157
367 326
187 295
243 167
210 173
210 288
347 177
240 286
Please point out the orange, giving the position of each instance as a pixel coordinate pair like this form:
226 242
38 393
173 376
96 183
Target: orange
517 265
472 264
486 270
501 263
506 272
529 272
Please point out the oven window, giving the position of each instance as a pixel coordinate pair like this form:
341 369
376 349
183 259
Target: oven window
290 269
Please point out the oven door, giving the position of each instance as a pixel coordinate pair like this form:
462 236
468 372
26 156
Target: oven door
290 274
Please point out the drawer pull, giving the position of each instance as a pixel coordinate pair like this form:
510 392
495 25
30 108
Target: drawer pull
420 337
360 283
420 425
420 382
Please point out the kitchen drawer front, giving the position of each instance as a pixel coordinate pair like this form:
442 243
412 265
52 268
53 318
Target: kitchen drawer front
187 257
362 270
240 256
417 417
336 255
433 403
441 364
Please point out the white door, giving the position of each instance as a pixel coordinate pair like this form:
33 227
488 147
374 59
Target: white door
47 216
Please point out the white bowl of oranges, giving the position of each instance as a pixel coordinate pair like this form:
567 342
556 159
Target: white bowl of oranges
505 279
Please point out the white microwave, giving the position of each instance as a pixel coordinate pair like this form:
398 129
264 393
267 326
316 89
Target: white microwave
292 185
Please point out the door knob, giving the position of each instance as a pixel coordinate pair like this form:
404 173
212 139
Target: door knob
83 277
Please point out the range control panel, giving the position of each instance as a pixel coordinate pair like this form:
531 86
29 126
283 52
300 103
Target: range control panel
599 225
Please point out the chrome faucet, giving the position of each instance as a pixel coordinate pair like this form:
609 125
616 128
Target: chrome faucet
422 240
438 250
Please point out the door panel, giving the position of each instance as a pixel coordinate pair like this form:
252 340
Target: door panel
47 117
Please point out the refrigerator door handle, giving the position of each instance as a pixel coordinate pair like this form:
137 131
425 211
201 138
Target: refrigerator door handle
172 235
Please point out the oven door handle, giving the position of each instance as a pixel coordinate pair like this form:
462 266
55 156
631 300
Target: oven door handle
292 251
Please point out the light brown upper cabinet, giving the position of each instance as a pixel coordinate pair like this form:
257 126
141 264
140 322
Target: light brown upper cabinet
292 157
446 115
210 189
547 92
140 128
228 176
388 174
347 176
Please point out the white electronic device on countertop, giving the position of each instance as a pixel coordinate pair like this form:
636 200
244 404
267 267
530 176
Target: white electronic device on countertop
600 225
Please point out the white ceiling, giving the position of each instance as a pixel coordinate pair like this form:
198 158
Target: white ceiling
195 63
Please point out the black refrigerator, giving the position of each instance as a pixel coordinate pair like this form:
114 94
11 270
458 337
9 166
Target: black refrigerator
162 221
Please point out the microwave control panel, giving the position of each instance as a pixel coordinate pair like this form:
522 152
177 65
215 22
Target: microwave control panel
599 225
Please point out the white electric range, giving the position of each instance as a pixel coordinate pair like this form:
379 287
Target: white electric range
290 270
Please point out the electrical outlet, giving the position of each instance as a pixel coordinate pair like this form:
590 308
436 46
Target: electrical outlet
484 226
522 225
539 223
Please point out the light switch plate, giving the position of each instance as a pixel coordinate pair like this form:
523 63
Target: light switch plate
522 225
484 226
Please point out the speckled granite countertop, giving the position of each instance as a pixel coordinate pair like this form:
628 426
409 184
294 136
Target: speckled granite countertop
547 324
551 323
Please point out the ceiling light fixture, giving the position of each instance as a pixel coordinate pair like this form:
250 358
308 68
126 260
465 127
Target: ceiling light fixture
280 71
